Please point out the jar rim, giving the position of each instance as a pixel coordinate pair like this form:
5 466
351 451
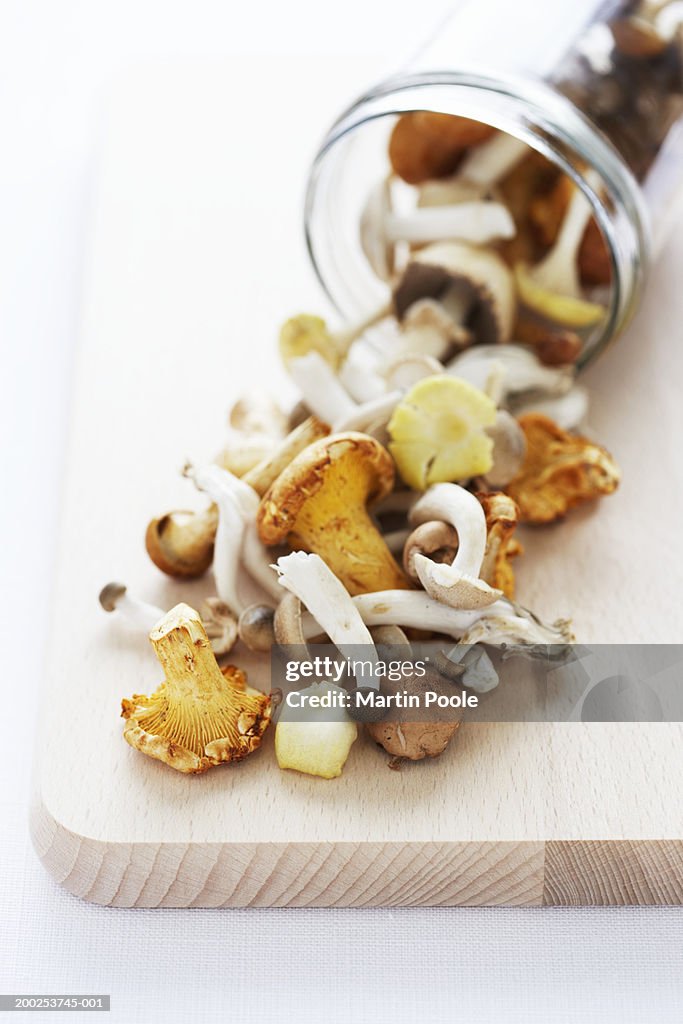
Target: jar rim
535 113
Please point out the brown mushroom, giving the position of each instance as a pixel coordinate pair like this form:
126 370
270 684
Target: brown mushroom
426 145
181 543
435 539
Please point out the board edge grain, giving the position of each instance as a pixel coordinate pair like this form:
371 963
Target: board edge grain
295 874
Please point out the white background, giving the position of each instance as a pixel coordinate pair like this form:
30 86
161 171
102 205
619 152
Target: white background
58 61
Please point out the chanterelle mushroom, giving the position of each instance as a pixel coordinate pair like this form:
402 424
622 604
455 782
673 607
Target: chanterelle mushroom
438 433
458 584
319 504
560 470
200 716
502 515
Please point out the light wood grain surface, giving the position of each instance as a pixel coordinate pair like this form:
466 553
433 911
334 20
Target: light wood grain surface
196 257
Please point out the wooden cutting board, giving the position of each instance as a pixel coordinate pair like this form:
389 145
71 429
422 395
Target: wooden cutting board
196 257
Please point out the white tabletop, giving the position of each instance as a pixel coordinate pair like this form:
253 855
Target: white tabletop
58 62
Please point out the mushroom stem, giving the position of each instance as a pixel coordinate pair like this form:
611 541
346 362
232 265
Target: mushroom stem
237 503
344 338
373 413
139 614
490 161
559 270
320 387
477 222
453 504
267 471
325 596
258 562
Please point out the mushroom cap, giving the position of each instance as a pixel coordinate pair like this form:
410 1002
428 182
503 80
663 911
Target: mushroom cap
435 539
256 628
450 586
181 543
306 474
433 269
111 594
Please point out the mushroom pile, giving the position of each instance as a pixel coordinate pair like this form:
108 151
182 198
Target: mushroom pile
382 508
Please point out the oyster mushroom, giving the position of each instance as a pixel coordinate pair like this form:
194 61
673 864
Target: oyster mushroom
560 470
483 277
425 144
200 716
319 504
458 584
552 287
381 229
438 433
181 543
237 503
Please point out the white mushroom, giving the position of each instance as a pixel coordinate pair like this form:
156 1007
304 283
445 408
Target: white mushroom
489 162
469 665
501 623
462 276
115 597
257 560
407 369
429 328
568 411
381 229
515 371
237 504
457 584
219 622
509 449
327 599
322 391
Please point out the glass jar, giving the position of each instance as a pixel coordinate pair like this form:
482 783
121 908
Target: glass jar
591 86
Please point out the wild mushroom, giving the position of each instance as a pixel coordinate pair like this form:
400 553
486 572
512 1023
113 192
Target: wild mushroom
509 449
237 503
258 561
267 471
381 229
407 369
489 162
181 543
305 333
416 740
322 391
430 328
434 539
201 715
554 346
319 504
425 144
515 371
469 665
519 628
256 424
256 628
552 287
458 584
483 277
220 623
437 432
567 411
316 741
560 470
502 516
327 599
